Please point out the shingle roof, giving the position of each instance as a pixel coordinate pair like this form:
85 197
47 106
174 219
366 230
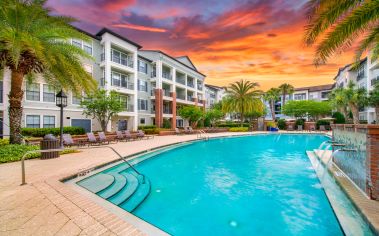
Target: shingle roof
106 30
316 88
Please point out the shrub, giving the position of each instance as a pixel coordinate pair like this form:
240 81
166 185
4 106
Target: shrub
14 152
4 141
271 124
40 132
166 124
282 124
299 122
143 127
231 125
323 122
339 118
151 131
239 129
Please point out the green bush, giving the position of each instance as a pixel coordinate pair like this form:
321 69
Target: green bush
14 152
166 124
143 127
151 131
40 132
231 125
4 141
323 122
271 124
339 118
239 129
282 124
299 122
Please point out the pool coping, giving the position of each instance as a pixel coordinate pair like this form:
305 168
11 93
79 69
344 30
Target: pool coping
137 222
369 209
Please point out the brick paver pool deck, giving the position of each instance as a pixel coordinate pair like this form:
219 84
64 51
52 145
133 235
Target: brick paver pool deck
46 206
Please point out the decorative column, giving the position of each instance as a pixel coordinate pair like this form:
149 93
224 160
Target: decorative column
173 121
372 160
159 107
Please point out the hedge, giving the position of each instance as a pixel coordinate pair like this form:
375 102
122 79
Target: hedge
282 124
40 132
324 123
299 122
231 125
239 129
143 127
4 141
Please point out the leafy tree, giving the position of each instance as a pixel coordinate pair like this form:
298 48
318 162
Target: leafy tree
193 113
340 23
374 101
213 116
356 98
339 101
35 41
271 96
307 108
242 97
102 106
339 118
286 89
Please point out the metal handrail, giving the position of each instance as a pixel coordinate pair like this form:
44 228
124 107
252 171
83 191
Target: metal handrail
200 133
23 181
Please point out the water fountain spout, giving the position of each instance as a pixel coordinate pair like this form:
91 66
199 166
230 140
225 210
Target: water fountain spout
349 150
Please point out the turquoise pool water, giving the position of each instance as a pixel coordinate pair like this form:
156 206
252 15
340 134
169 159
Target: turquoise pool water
255 185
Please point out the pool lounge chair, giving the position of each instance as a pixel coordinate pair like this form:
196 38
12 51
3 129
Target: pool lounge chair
187 130
322 128
128 136
299 128
69 142
141 135
191 130
177 132
290 128
120 136
312 128
91 138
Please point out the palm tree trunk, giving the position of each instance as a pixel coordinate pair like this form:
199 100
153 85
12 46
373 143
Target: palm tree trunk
242 118
355 111
377 114
15 107
284 101
272 105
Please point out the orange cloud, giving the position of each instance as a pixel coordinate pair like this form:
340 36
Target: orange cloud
139 27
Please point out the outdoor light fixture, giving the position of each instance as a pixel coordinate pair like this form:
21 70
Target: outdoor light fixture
61 101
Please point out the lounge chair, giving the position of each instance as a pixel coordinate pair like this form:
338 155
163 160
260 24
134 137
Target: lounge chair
290 128
69 142
128 135
141 135
177 132
92 139
191 130
120 136
104 139
299 128
322 128
187 130
312 128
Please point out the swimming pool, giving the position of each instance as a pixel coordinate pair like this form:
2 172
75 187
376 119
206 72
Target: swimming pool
254 185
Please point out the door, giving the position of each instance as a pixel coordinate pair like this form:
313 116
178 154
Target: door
84 123
122 125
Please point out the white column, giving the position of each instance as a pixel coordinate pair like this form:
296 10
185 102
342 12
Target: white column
159 73
135 97
174 79
107 67
6 90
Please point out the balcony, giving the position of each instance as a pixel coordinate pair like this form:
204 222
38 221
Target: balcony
129 108
153 74
181 97
199 86
212 95
181 80
191 84
166 93
167 75
122 58
167 110
102 57
374 80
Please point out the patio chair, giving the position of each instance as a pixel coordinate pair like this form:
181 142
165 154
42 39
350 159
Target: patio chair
187 130
299 128
91 138
312 128
322 128
120 136
177 132
128 135
191 130
290 128
69 142
104 139
141 135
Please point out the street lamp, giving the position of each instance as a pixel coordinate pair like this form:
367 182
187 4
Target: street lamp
61 101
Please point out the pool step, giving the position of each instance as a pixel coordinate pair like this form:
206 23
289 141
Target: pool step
97 182
118 185
127 191
138 197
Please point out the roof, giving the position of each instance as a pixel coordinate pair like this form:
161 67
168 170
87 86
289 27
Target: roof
316 88
85 32
144 58
175 59
214 86
187 59
340 70
106 30
355 67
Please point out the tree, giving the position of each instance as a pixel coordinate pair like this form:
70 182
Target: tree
193 113
271 96
102 106
340 23
35 41
307 108
242 97
374 101
339 101
286 89
356 98
213 116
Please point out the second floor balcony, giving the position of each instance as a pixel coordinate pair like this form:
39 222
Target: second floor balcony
200 86
375 80
181 96
122 58
166 75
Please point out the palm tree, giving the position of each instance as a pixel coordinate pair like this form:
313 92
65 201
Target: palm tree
242 97
374 101
271 96
339 101
35 42
286 89
340 23
356 98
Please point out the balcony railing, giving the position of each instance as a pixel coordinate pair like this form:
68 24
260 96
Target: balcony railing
374 81
190 98
181 81
129 107
122 59
123 84
166 93
167 110
182 97
102 57
212 95
199 86
166 75
153 74
191 84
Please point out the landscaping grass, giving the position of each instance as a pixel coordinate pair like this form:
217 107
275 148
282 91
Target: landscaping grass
14 152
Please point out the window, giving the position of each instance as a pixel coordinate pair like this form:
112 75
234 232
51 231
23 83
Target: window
142 67
48 121
76 100
124 101
32 121
142 85
300 96
179 123
142 105
142 121
325 95
77 43
48 93
87 49
116 79
32 92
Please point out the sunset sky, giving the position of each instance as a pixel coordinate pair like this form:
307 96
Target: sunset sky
259 40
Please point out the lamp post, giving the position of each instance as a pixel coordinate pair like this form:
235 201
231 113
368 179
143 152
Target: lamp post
61 101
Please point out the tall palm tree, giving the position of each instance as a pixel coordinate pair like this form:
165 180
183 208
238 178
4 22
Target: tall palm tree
286 89
271 96
339 101
340 23
242 97
356 98
35 42
374 101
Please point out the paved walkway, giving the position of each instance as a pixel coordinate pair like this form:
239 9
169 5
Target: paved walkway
46 206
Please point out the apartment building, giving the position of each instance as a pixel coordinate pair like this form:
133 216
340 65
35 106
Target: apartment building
152 86
213 95
366 75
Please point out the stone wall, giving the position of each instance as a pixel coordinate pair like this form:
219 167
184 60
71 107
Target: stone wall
361 165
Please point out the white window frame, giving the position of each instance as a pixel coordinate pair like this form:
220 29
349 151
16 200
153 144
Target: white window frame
26 120
39 92
43 121
43 93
